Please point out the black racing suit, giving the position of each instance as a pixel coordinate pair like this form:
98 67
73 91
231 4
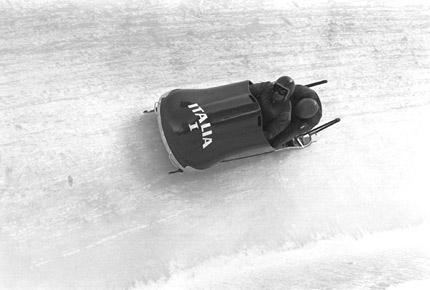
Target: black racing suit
297 125
276 115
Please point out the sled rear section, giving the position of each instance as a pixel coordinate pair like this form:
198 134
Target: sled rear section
201 127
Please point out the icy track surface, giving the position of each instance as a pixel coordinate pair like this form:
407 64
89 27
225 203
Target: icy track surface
85 198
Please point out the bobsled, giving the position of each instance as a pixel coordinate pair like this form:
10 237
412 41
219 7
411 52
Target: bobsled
202 127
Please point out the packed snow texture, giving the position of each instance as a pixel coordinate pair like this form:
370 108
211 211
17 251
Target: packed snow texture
85 198
374 261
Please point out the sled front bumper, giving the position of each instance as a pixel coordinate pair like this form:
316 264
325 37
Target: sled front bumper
172 157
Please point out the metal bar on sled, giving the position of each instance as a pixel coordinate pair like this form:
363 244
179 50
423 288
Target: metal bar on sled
296 139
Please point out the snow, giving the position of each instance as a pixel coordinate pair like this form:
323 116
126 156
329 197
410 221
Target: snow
85 198
373 261
417 285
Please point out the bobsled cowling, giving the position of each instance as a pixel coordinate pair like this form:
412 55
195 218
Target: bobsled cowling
201 127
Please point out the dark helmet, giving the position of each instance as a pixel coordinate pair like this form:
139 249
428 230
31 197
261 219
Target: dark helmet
283 89
306 108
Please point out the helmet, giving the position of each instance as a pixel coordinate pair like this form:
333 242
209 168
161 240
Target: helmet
306 108
283 89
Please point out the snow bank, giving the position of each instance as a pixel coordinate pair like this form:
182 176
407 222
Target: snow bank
379 260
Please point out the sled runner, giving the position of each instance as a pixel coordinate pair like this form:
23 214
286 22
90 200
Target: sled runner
202 127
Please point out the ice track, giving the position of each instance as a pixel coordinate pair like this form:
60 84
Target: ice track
85 198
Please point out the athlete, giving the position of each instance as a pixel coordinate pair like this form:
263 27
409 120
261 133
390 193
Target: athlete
274 100
288 109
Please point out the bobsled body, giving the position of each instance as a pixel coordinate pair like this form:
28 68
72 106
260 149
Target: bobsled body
201 127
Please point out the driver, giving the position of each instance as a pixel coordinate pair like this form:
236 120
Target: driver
288 109
274 100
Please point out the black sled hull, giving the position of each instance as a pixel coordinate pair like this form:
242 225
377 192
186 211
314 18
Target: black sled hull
201 127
